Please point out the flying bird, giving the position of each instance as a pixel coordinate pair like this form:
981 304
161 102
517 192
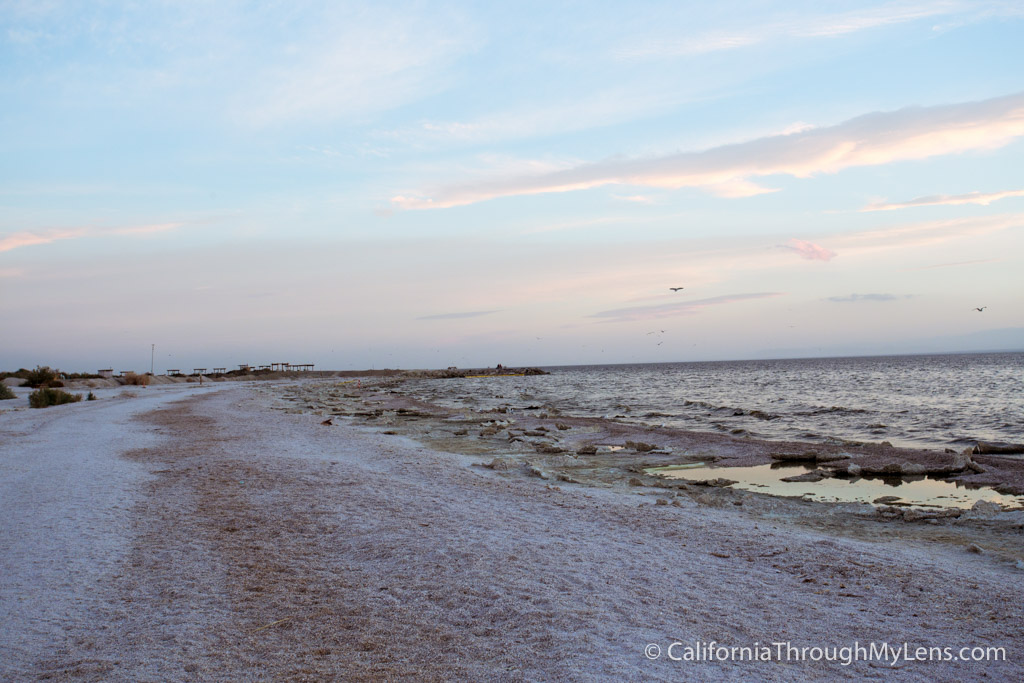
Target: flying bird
675 289
979 310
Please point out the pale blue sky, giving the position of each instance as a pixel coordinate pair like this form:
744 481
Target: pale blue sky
433 184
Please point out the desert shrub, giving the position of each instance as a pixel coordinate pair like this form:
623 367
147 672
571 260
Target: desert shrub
136 380
46 397
5 392
40 377
81 375
90 397
55 383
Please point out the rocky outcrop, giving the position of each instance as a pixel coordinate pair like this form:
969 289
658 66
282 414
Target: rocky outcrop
813 475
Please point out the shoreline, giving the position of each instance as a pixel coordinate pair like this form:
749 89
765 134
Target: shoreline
264 543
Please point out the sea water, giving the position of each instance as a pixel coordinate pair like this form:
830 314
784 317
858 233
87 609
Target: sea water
925 401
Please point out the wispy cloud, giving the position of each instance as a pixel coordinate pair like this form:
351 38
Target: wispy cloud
924 234
454 316
589 110
982 198
859 298
27 238
674 309
873 139
809 250
958 263
360 61
814 26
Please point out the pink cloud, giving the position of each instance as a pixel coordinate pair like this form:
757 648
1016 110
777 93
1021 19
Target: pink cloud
27 238
810 250
728 170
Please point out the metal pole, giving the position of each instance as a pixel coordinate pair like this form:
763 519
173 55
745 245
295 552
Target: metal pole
152 353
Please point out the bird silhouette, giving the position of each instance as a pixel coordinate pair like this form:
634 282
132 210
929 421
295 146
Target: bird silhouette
675 289
979 310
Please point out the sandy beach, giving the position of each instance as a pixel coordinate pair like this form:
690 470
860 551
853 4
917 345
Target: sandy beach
224 533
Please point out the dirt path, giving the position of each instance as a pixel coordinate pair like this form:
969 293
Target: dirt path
268 546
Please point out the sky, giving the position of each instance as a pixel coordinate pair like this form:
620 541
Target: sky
428 184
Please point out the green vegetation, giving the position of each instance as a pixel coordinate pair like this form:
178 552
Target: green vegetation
5 392
46 397
42 376
90 397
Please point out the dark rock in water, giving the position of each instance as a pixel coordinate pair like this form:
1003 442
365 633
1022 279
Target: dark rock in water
814 475
640 446
885 500
809 456
719 482
983 448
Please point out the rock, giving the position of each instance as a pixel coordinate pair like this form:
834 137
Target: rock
661 501
678 503
537 472
501 464
854 470
930 516
589 449
809 456
464 432
562 426
885 500
992 448
972 548
718 482
813 475
986 508
633 481
548 448
327 422
640 446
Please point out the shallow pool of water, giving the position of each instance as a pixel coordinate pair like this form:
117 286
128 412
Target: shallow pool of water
911 490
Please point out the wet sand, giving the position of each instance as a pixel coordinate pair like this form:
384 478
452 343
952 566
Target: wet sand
263 543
